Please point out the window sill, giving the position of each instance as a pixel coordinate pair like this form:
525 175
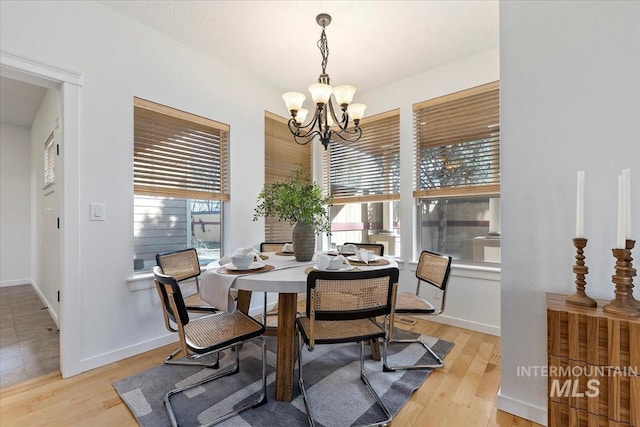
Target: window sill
144 280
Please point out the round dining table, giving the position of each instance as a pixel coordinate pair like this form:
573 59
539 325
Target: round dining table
288 279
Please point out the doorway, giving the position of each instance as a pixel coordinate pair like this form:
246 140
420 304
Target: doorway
65 214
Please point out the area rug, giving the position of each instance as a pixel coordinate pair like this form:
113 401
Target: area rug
337 395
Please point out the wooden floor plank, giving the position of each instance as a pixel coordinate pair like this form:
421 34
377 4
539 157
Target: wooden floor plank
462 393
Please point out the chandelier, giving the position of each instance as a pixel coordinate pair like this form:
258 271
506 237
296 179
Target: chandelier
325 123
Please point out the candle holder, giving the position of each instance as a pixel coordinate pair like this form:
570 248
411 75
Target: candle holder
580 269
623 304
629 245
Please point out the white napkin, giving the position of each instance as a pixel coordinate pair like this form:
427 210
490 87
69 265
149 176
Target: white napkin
364 255
240 251
288 247
347 249
219 295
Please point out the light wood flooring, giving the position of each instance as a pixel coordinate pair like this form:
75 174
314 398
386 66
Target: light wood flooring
29 338
463 393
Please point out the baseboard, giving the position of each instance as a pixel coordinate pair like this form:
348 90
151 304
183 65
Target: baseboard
123 353
465 324
521 409
8 283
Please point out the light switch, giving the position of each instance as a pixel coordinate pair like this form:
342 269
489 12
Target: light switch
97 211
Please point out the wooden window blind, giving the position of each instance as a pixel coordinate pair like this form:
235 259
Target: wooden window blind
367 170
178 154
282 157
457 144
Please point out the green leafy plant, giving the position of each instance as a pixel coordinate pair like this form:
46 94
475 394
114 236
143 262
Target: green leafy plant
297 199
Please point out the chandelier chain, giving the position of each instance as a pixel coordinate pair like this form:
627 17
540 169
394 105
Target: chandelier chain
323 45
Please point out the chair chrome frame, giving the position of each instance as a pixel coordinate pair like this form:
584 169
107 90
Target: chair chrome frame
376 248
182 265
433 269
369 305
196 342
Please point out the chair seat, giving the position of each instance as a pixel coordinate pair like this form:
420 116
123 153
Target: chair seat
407 302
332 332
219 330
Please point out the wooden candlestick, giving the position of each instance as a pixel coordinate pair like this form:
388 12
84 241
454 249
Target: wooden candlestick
623 304
629 245
580 297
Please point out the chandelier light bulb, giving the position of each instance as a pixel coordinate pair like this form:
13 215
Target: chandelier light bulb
320 93
301 116
293 100
344 94
356 111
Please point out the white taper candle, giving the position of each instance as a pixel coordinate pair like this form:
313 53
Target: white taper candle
626 173
620 240
580 206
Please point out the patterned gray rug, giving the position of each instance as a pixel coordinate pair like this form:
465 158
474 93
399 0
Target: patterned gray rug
337 395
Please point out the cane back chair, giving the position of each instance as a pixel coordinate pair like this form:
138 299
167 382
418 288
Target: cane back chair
210 334
341 307
432 269
183 265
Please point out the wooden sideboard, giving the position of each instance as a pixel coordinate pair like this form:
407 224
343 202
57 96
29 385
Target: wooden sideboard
593 366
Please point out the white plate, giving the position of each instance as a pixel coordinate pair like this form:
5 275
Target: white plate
344 267
371 258
254 266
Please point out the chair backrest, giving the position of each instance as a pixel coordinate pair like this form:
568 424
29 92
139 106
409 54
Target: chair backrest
181 265
376 248
171 297
434 269
351 295
272 246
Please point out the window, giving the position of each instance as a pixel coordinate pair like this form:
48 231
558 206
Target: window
50 149
457 179
180 168
364 182
282 157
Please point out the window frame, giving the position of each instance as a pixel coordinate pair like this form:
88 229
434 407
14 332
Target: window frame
484 128
178 156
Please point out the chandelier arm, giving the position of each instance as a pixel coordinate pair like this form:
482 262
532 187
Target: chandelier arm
303 131
351 136
343 123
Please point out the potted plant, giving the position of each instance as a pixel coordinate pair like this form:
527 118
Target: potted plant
300 201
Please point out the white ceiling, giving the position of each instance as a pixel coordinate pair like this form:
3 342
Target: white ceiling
371 43
19 101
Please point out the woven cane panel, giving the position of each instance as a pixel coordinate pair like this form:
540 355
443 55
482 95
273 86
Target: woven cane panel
347 295
214 330
410 301
180 265
343 329
432 268
271 247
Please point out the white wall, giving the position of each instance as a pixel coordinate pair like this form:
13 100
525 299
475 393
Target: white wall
473 299
119 59
570 87
15 205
